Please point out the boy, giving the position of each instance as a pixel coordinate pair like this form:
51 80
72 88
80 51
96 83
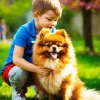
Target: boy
18 67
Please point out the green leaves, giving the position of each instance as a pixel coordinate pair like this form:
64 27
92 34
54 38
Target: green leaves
14 14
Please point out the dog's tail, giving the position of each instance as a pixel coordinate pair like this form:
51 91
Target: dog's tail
91 94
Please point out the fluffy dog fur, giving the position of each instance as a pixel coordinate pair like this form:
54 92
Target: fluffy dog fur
55 51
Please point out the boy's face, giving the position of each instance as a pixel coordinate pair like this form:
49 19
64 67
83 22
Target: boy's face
47 20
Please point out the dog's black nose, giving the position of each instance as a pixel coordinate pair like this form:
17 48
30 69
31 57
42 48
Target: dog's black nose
54 48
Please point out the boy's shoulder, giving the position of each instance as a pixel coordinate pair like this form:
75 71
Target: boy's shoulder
29 25
27 28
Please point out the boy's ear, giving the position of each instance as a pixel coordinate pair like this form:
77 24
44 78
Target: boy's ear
43 32
62 32
35 15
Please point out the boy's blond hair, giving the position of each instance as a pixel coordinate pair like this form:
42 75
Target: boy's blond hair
41 6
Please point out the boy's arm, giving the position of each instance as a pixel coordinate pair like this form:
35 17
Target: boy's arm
18 60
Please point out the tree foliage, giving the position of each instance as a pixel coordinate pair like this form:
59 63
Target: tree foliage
13 11
66 20
87 7
78 4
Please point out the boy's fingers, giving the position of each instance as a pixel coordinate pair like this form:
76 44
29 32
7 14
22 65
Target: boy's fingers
46 72
46 69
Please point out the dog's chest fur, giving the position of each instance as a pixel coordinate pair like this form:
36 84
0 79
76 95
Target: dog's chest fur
53 82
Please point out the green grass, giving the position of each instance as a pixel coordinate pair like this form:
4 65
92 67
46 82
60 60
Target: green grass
3 54
89 70
88 67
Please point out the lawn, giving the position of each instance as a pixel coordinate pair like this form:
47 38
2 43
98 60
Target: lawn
88 67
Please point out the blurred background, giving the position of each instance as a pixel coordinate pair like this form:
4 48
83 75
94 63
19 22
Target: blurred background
81 20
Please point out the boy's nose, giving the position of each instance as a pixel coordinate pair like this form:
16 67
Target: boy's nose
53 23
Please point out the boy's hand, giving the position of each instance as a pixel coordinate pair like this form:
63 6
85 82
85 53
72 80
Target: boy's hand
43 71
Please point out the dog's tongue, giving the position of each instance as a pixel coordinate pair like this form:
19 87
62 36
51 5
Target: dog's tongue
53 55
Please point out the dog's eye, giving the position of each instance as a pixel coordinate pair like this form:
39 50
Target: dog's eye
41 44
59 45
48 44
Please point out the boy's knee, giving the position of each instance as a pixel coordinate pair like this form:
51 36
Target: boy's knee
17 77
18 73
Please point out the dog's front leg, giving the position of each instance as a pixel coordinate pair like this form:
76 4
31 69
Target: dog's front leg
66 91
67 94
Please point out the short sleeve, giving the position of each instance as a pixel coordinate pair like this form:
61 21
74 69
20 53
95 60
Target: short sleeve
21 37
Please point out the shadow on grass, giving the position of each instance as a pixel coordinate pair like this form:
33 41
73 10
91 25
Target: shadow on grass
92 83
9 98
5 98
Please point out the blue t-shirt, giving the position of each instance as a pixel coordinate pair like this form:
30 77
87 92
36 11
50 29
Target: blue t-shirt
24 37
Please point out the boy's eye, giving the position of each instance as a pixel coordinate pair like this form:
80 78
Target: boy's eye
49 19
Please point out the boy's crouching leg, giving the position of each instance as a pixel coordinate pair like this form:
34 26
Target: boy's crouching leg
18 78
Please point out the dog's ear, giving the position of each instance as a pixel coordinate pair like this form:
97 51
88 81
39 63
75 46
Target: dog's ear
43 32
62 32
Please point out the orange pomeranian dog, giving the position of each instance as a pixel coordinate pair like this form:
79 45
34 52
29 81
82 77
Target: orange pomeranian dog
55 51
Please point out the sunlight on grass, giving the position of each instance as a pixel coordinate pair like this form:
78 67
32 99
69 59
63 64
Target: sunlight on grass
88 66
3 52
31 93
4 45
5 90
96 41
89 72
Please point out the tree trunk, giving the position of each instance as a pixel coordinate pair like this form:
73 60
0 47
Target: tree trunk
87 29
